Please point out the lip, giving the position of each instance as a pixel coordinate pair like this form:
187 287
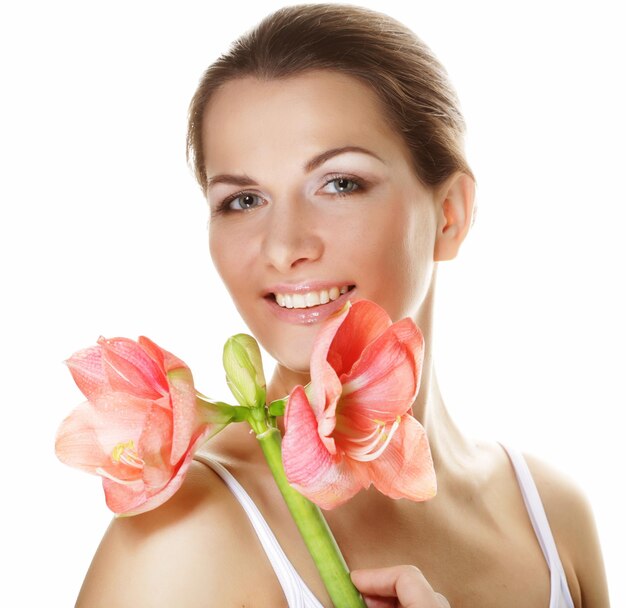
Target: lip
307 316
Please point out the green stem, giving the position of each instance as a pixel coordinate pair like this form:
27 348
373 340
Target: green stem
220 412
312 525
277 407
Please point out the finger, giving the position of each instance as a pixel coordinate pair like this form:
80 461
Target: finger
392 602
383 581
380 602
406 583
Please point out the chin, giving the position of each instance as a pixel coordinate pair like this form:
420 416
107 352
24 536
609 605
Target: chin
292 360
291 347
294 364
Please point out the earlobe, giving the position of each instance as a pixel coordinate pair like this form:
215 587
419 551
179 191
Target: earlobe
455 215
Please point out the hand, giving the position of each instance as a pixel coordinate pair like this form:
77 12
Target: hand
396 587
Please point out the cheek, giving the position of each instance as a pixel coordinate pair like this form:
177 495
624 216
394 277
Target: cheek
226 260
402 262
217 256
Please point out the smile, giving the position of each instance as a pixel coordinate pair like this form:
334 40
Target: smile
310 298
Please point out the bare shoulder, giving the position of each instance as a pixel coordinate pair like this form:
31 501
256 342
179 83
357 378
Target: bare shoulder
185 552
573 525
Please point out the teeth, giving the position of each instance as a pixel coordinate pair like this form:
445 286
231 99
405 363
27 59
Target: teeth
310 298
298 300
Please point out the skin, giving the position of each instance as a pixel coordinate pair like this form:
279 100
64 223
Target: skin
473 544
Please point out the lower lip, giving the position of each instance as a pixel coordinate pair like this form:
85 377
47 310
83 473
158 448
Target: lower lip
306 316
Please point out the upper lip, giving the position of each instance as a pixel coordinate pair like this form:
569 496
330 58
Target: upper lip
305 286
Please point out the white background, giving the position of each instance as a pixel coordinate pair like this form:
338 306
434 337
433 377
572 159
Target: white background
103 231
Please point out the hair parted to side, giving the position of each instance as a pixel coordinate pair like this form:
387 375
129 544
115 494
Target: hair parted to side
411 83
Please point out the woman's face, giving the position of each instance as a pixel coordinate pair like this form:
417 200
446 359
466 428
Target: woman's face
311 192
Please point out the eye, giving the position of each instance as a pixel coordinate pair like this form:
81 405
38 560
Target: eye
342 184
241 201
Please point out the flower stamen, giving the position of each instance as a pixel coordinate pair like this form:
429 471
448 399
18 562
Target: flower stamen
127 454
372 450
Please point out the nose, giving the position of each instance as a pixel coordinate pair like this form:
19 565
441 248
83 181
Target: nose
291 236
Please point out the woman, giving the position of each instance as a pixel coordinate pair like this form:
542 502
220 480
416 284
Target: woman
328 143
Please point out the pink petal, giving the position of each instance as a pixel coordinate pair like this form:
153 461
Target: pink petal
385 380
129 500
154 447
176 481
86 438
153 351
122 498
325 385
365 322
405 469
185 411
325 480
166 360
76 441
131 370
87 370
119 418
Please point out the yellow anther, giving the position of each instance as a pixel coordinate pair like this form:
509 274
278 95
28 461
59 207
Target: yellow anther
120 448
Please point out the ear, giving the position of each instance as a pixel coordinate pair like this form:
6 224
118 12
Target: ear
455 214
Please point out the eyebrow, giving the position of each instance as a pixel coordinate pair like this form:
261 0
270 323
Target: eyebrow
316 161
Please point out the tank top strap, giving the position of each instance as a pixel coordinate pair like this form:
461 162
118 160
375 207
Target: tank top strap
296 591
560 596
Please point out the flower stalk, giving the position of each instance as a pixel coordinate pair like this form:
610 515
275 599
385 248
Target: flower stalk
315 532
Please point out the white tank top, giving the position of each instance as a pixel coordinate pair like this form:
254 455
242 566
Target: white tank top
297 593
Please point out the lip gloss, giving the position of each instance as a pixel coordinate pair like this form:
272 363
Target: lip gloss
306 316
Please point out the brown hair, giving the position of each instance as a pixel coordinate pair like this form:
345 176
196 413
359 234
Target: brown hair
412 85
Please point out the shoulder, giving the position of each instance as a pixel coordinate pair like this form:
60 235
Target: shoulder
573 526
185 551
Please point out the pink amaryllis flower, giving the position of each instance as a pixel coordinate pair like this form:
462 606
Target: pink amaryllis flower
140 426
355 428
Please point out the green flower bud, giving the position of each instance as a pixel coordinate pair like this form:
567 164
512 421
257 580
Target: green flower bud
244 370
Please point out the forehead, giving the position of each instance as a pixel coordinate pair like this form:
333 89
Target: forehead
295 116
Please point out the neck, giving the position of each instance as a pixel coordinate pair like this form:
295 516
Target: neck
448 446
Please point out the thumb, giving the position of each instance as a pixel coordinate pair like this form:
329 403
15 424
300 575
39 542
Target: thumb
406 583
